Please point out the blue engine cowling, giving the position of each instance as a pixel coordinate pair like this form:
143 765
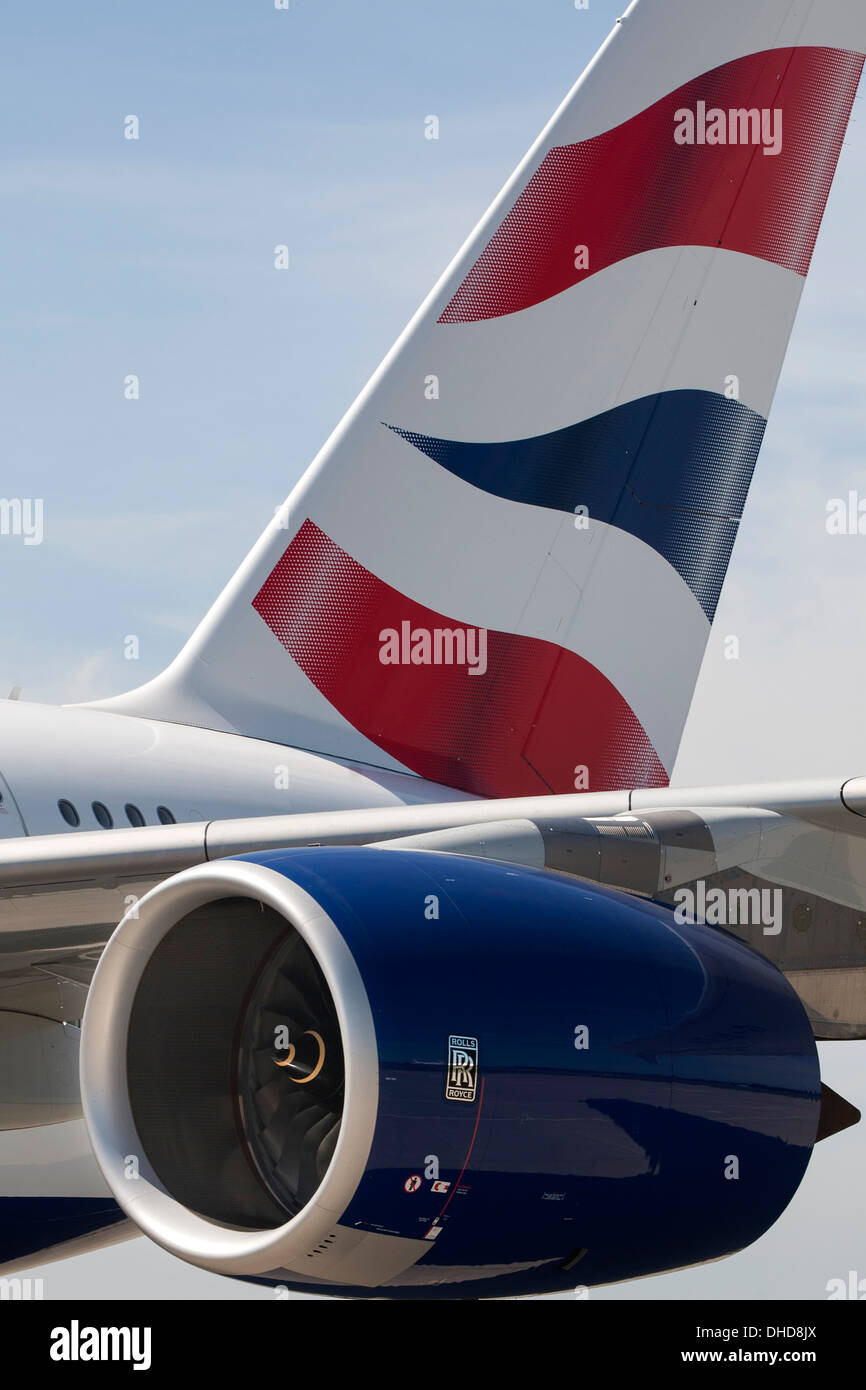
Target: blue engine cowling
533 1082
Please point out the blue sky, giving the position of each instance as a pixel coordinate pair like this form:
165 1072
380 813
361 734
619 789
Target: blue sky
155 257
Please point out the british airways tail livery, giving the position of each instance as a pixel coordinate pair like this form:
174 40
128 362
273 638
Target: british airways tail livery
433 717
554 458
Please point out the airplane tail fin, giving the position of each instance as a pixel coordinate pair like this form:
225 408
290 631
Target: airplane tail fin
501 570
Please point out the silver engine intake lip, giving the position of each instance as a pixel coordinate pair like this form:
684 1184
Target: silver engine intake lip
143 1132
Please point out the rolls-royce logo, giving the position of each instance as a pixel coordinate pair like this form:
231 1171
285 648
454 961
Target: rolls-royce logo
288 1060
462 1076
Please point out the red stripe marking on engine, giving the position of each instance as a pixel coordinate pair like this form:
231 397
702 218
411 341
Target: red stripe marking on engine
468 1153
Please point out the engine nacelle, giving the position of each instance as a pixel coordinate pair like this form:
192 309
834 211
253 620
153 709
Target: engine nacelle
411 1074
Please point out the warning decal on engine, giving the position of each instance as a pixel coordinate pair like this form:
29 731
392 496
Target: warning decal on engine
462 1077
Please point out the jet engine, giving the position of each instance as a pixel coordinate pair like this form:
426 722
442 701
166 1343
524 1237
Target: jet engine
409 1074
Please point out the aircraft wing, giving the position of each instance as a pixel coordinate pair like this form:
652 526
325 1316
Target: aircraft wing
782 866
